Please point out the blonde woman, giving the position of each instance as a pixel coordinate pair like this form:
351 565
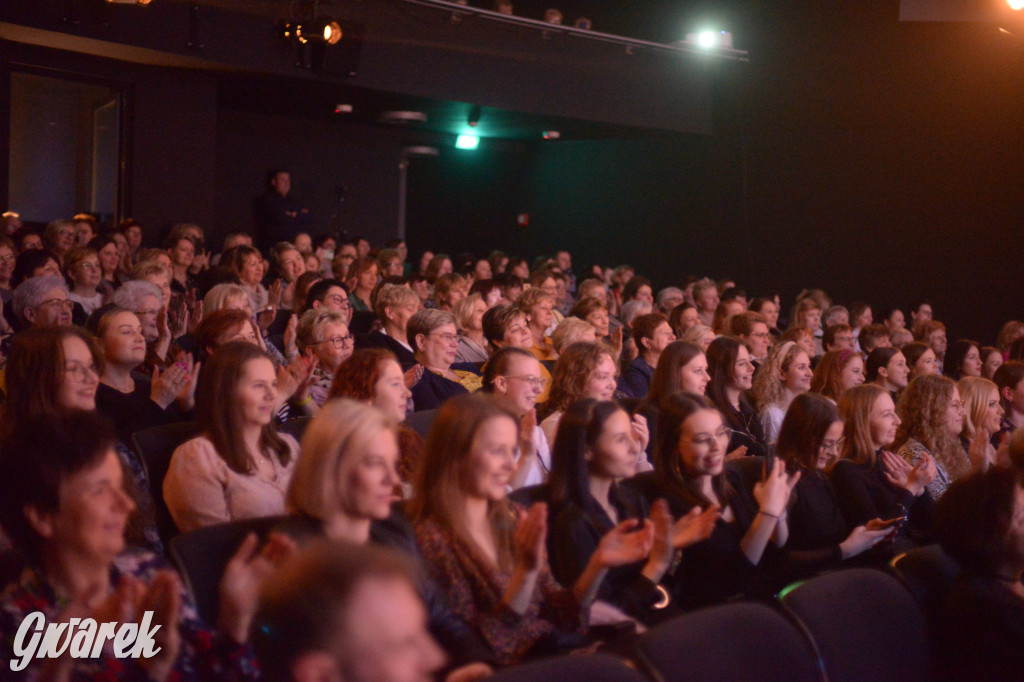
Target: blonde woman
469 315
699 335
785 374
983 417
342 489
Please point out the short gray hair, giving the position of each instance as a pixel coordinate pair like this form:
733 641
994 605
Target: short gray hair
130 294
312 323
426 321
217 297
669 291
32 292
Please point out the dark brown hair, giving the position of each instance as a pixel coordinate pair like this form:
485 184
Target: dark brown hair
808 418
217 416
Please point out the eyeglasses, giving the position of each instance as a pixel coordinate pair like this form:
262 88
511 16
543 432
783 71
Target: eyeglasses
147 313
339 300
81 372
535 382
338 341
449 337
66 304
832 445
707 440
761 335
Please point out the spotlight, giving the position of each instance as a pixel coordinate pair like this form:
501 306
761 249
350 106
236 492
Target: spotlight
129 2
467 142
474 116
1016 4
711 40
551 134
327 31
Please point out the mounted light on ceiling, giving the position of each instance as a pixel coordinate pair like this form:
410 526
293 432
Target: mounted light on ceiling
474 116
326 31
710 40
129 2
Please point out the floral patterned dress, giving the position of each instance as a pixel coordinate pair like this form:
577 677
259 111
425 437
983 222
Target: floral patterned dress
204 654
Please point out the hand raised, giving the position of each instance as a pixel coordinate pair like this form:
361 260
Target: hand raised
695 526
626 543
531 537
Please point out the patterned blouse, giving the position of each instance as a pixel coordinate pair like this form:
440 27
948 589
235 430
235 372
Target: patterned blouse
474 589
912 451
204 654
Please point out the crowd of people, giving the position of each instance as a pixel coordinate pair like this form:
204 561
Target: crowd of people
504 459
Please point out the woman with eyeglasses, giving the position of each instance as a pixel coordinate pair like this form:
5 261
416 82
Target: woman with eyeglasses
515 374
82 266
240 466
42 302
873 483
56 368
690 472
819 537
323 334
732 375
434 379
932 416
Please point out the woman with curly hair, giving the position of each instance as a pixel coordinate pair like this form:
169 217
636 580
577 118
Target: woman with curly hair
837 371
585 370
785 374
932 416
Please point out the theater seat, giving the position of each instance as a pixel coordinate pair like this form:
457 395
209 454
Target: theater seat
155 446
865 625
593 668
742 642
202 555
929 574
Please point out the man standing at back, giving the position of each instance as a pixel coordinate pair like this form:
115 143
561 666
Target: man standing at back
279 216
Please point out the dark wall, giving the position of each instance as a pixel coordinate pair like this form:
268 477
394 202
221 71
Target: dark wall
323 157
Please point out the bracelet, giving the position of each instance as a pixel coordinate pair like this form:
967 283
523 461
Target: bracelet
303 403
759 511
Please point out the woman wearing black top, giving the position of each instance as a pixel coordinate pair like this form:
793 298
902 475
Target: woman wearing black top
873 483
732 375
690 472
595 449
980 523
819 537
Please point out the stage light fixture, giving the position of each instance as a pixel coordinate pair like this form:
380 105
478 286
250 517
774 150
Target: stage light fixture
129 2
467 142
327 31
709 40
1016 4
474 116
